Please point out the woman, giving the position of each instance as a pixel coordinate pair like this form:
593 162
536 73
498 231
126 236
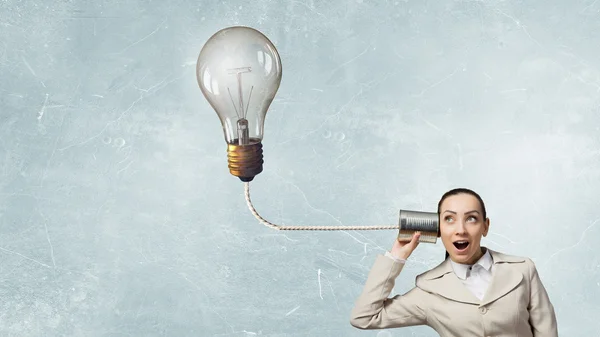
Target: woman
476 292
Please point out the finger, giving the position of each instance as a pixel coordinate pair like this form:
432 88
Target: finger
414 242
404 240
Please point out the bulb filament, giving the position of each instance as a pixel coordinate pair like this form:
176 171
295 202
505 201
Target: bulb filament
242 123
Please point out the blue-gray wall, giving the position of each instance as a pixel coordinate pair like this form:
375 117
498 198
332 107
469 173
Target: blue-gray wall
118 215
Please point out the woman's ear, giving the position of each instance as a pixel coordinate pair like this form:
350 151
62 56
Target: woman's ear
486 226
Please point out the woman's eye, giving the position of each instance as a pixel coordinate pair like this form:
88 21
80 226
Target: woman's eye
448 219
472 218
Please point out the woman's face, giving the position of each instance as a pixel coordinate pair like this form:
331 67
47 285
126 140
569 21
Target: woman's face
461 227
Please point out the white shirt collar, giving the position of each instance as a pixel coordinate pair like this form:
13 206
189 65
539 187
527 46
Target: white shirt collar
461 270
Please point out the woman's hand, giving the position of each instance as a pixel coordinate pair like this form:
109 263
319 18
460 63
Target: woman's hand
402 250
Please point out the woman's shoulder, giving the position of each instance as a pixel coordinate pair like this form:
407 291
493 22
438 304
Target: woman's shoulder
498 257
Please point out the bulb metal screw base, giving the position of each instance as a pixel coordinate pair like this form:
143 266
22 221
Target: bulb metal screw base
245 161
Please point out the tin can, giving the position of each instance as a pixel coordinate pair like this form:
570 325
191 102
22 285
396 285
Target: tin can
414 221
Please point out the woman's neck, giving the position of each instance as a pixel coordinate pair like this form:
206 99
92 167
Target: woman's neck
477 256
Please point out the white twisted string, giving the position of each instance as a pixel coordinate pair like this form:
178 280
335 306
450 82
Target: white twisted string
309 228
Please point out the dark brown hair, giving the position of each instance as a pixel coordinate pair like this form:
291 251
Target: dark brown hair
455 192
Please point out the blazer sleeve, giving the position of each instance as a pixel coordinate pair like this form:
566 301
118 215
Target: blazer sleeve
374 310
542 317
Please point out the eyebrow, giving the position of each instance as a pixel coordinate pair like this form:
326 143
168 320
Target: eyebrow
473 211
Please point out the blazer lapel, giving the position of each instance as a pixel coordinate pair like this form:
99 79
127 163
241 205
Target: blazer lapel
441 280
504 277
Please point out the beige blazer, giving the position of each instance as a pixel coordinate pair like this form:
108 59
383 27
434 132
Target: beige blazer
515 304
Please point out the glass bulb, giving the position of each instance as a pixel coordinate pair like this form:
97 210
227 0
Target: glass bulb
239 72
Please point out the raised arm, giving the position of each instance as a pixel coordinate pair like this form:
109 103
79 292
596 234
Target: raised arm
374 310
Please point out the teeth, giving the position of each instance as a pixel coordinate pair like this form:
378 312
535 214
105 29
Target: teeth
461 242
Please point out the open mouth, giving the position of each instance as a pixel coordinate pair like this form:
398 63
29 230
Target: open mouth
461 245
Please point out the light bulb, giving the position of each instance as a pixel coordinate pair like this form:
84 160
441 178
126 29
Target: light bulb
239 72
